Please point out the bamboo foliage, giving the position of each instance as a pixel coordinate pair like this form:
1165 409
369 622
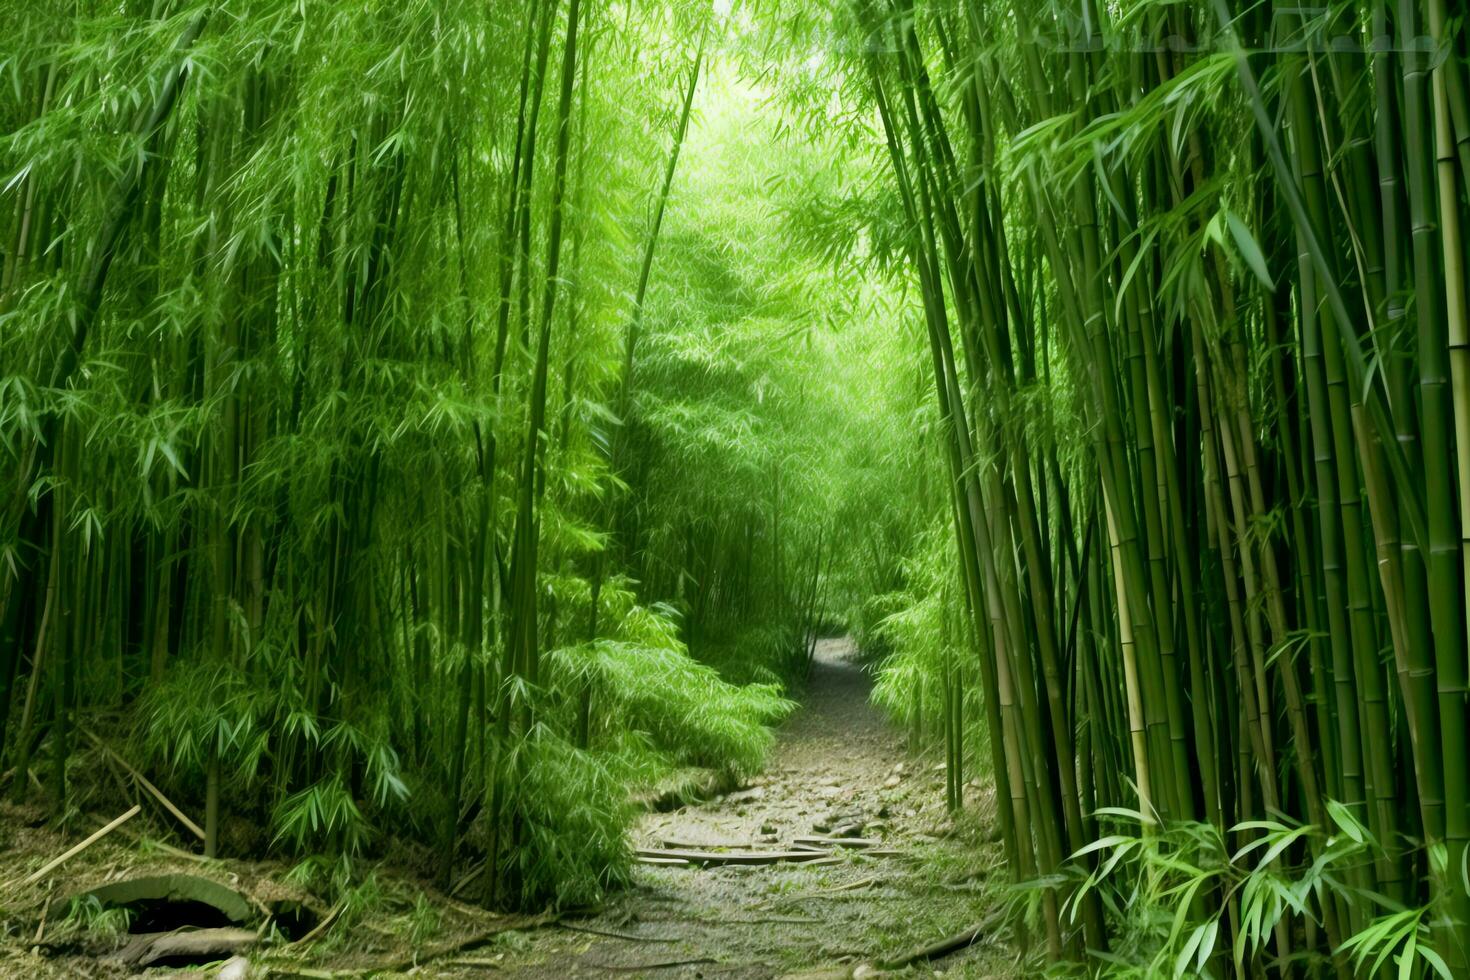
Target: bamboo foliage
365 469
295 484
1219 246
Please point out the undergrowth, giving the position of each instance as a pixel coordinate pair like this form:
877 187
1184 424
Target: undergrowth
651 710
1174 893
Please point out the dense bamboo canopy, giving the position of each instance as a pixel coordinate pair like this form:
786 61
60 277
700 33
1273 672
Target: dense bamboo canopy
443 422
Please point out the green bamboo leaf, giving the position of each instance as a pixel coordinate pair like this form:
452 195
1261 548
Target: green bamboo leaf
1113 840
1132 270
1250 250
169 453
1346 822
1207 944
1190 948
1182 913
1436 962
1406 959
1282 844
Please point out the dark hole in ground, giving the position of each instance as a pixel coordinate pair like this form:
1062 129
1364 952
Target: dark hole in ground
293 919
162 915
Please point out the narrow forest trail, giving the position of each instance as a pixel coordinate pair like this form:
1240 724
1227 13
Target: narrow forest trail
837 761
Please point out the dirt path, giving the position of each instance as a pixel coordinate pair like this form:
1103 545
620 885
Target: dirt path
837 761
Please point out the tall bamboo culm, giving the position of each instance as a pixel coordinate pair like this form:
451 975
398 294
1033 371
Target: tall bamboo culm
1194 276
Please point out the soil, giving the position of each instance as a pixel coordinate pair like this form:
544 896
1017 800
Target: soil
838 768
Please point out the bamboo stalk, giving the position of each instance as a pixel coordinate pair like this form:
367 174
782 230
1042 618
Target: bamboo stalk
72 852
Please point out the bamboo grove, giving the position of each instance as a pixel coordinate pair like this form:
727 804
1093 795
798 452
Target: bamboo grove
1194 286
437 423
336 433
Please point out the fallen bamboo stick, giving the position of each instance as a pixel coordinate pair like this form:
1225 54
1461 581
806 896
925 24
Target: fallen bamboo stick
701 845
943 947
481 962
615 934
734 857
422 957
853 885
164 846
661 965
459 885
144 782
508 924
55 863
322 926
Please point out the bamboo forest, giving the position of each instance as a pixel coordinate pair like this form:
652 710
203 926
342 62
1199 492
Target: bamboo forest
734 488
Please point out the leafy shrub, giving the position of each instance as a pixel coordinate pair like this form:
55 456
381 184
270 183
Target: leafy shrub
1171 891
201 710
572 811
688 711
